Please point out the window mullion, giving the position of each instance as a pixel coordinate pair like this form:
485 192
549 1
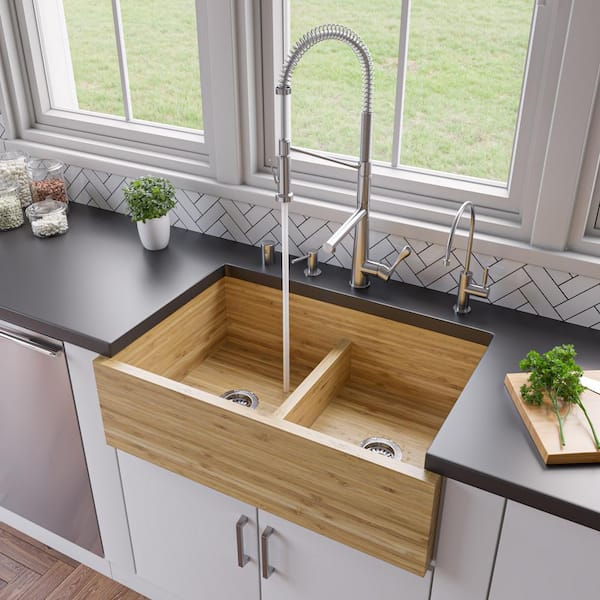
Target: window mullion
569 130
218 37
122 55
400 82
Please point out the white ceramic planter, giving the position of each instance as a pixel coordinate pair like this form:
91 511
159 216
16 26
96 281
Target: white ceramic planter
155 233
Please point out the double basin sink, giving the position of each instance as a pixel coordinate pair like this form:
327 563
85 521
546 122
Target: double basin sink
354 376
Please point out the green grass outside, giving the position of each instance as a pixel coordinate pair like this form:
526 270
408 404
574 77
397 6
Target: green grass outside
162 59
465 69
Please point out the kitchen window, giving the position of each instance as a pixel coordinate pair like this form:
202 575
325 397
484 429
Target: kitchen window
128 59
462 103
118 77
448 80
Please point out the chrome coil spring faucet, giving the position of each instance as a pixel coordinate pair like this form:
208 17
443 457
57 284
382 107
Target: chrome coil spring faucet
362 267
466 286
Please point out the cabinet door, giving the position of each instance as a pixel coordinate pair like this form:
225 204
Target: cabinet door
468 536
184 534
543 556
308 565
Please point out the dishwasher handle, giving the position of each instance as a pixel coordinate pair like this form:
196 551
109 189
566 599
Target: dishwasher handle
46 349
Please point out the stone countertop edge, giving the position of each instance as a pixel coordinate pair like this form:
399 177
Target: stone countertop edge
97 288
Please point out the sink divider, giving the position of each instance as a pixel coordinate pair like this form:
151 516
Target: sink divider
309 399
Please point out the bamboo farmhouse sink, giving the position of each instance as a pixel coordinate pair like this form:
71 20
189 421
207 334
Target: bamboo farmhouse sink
354 375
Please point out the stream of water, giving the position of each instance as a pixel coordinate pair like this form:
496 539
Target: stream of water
285 287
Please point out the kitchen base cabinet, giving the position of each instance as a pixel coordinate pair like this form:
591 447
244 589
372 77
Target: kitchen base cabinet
187 539
184 535
307 565
543 556
469 529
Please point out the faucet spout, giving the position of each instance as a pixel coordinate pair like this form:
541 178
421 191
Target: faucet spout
466 286
453 227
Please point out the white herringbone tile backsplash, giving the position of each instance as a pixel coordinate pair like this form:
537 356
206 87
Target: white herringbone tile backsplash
536 290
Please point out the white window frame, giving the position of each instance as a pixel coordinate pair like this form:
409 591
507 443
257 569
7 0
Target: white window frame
87 139
425 197
584 234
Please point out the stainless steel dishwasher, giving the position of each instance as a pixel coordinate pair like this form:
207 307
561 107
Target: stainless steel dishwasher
43 473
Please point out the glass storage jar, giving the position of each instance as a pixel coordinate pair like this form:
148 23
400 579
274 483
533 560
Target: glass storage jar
48 218
11 212
47 179
13 169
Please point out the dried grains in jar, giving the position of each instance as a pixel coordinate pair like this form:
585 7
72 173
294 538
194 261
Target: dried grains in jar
48 218
13 169
11 212
47 179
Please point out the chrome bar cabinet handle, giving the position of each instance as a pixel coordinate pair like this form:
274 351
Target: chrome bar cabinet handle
242 558
267 570
51 351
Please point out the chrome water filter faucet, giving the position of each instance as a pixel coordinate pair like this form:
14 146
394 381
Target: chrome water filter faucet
466 286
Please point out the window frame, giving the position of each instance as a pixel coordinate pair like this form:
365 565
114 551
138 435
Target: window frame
426 196
34 121
584 234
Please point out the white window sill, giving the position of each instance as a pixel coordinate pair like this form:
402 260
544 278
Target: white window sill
409 221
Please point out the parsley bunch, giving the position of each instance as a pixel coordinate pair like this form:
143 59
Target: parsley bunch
555 375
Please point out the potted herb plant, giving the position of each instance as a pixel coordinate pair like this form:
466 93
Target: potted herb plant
150 199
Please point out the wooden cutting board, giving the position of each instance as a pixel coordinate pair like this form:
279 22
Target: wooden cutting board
543 427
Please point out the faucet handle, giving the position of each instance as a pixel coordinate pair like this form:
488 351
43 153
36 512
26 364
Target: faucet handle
312 262
469 288
485 277
370 267
404 253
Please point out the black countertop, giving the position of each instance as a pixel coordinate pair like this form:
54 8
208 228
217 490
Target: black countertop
98 288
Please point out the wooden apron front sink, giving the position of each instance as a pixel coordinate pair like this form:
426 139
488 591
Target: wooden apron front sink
354 375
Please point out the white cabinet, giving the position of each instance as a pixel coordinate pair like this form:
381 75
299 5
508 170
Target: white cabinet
469 529
543 556
184 535
309 566
184 541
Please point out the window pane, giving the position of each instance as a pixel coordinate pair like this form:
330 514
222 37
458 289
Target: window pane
464 76
94 57
327 85
161 41
463 85
161 44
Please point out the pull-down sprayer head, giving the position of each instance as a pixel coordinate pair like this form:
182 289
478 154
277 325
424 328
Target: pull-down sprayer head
284 90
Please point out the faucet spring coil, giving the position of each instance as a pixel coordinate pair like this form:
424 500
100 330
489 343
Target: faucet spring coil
332 32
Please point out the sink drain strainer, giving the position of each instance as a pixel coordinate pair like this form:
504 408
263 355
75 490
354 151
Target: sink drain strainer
243 397
382 446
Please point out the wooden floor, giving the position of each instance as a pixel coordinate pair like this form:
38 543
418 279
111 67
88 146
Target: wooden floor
31 571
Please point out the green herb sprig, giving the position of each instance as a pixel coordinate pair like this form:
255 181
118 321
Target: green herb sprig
149 197
555 375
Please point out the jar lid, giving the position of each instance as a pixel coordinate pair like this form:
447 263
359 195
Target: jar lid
39 168
44 208
8 156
